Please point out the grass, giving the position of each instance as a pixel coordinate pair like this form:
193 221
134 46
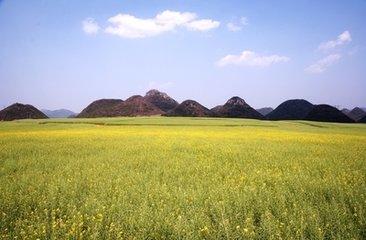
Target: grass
181 178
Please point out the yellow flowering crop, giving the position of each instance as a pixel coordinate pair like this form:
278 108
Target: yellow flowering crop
182 178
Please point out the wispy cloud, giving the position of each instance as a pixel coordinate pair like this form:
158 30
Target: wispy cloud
90 26
236 27
244 20
324 63
128 26
343 38
250 58
233 27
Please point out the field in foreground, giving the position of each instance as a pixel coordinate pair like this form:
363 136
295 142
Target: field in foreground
177 178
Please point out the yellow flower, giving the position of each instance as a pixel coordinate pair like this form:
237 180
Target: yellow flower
204 229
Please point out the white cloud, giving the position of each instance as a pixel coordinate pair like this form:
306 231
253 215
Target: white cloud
90 26
236 27
203 25
128 26
324 63
250 58
233 28
172 19
343 38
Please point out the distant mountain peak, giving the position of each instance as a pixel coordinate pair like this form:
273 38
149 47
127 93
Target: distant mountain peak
155 92
236 107
161 100
236 101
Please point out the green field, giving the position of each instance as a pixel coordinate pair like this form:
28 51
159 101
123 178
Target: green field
182 178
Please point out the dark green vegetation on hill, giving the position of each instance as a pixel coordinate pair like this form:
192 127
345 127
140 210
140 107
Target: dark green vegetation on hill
236 107
326 113
296 109
362 120
189 108
182 178
299 109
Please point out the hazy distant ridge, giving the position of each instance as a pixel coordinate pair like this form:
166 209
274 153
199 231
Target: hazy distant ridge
60 113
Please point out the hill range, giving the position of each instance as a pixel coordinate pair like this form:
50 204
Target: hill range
159 103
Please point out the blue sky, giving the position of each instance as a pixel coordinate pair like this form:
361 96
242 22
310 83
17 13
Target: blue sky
68 53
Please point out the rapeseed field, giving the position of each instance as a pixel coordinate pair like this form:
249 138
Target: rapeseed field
182 178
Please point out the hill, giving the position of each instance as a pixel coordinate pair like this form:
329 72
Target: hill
295 109
188 108
362 120
215 111
21 111
60 113
101 108
356 114
137 106
265 111
326 113
236 107
161 100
